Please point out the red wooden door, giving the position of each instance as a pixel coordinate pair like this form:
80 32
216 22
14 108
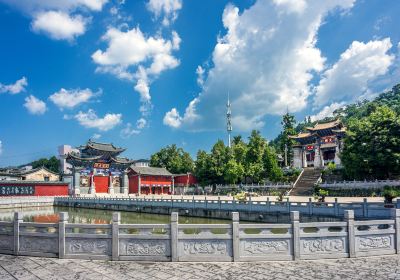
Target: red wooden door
101 183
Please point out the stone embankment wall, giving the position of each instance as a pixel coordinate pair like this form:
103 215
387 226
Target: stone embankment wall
258 211
203 242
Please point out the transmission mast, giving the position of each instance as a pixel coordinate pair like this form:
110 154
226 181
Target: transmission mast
229 121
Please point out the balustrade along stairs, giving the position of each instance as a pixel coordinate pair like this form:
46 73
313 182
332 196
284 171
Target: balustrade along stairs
305 184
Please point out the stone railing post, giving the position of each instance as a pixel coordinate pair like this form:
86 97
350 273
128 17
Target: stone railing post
17 221
116 219
235 236
174 236
396 216
295 219
336 207
349 218
365 208
63 220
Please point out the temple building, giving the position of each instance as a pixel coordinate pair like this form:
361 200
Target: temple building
319 145
99 168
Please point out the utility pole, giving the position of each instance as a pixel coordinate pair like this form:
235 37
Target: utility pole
229 121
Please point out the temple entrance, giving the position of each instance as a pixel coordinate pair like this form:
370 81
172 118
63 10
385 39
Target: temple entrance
329 156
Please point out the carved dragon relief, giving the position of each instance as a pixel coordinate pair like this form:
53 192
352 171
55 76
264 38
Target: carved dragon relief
205 248
323 245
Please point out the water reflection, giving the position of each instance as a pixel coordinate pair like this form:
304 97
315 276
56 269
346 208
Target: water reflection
96 216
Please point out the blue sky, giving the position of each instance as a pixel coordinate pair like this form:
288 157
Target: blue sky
146 73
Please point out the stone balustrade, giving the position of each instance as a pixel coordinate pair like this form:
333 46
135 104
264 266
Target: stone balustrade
377 184
215 207
203 242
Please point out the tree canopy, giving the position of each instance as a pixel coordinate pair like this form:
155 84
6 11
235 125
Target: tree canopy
174 159
251 162
372 146
52 164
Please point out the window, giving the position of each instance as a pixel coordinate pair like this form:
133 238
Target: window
46 178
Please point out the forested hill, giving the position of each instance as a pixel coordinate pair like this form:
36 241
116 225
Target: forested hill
358 110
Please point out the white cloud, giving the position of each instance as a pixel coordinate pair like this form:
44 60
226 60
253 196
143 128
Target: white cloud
60 20
32 6
1 147
200 75
17 87
128 131
59 25
89 119
95 136
133 56
141 123
327 111
172 118
166 8
71 98
350 76
266 61
34 105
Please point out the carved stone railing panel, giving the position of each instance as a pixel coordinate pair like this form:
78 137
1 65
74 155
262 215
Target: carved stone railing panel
38 245
144 248
87 246
6 237
204 250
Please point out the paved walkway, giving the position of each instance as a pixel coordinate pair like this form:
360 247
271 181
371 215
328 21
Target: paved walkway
48 268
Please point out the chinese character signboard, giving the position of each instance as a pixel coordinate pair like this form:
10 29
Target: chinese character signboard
17 190
101 165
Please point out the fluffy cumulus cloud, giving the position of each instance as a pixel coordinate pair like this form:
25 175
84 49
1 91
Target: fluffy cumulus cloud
350 76
34 105
59 25
327 111
96 136
60 20
90 119
167 9
19 86
133 56
266 61
68 99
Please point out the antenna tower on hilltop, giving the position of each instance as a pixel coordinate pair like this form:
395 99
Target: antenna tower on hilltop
229 121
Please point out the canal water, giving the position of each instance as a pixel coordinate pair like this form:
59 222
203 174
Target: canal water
96 216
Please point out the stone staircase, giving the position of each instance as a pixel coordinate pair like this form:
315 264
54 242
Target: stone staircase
306 182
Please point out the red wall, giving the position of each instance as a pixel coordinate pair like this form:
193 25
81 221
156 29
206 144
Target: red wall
150 181
185 179
101 183
133 184
48 190
41 189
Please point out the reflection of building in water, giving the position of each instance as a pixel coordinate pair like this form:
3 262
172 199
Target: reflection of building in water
320 145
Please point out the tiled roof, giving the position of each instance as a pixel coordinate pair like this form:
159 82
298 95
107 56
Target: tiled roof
107 147
160 171
320 126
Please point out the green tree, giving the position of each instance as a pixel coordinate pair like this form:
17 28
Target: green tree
271 167
174 159
233 172
372 145
203 168
288 129
254 157
52 164
219 157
